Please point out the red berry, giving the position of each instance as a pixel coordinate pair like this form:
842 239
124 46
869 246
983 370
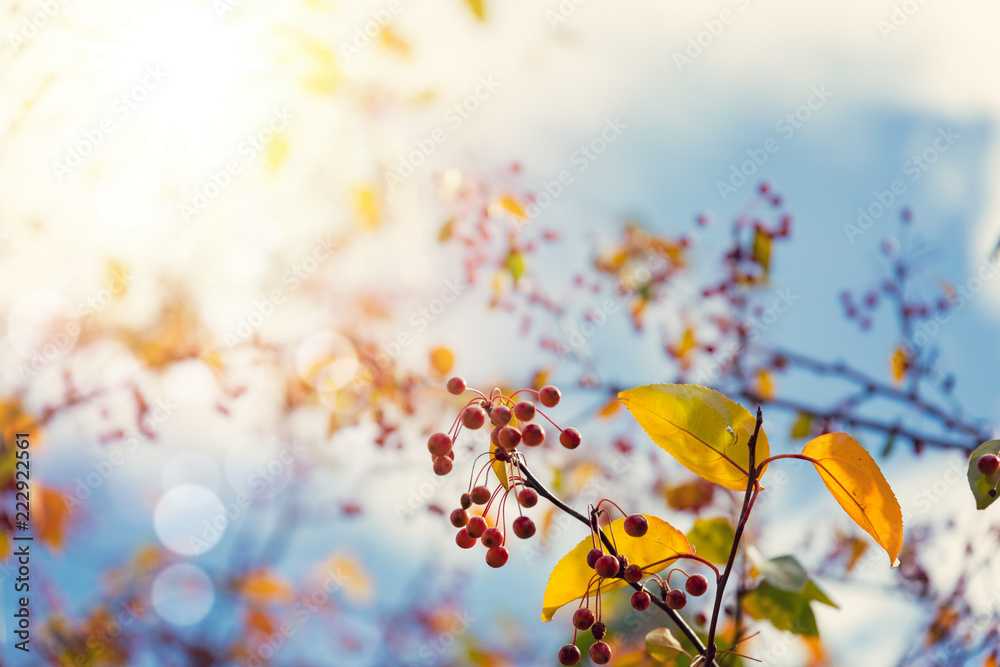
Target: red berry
466 501
549 396
600 653
527 498
501 455
700 618
569 655
636 525
464 540
477 526
640 600
633 573
439 444
988 464
509 437
497 557
456 385
501 415
583 618
494 432
492 537
696 585
524 411
459 518
569 438
523 527
676 599
592 557
606 566
599 630
442 465
481 495
532 435
473 417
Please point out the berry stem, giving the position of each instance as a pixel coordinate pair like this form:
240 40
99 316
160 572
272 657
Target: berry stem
532 482
751 494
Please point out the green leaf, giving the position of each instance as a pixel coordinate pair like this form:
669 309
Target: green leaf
515 264
712 539
784 572
800 429
813 592
783 609
705 431
981 484
662 645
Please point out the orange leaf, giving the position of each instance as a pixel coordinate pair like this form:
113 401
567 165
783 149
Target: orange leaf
610 408
260 623
51 516
264 588
512 206
899 364
442 359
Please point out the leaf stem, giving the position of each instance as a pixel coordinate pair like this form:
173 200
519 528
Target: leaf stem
751 494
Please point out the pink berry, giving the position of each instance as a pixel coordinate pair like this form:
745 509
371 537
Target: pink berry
583 618
988 464
524 411
439 444
636 525
549 396
456 385
477 526
696 585
640 600
523 527
532 435
633 574
473 417
480 495
442 465
570 438
509 437
592 557
676 599
569 655
600 653
464 540
492 537
501 415
497 557
459 518
527 498
606 566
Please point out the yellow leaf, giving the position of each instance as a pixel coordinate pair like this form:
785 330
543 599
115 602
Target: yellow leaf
276 151
765 385
478 8
512 206
854 479
899 363
390 40
499 467
609 409
571 575
705 431
4 545
264 588
357 586
367 207
118 278
762 249
325 75
442 359
515 264
802 425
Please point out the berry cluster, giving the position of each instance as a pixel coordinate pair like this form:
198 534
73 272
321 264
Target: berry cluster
511 423
609 566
